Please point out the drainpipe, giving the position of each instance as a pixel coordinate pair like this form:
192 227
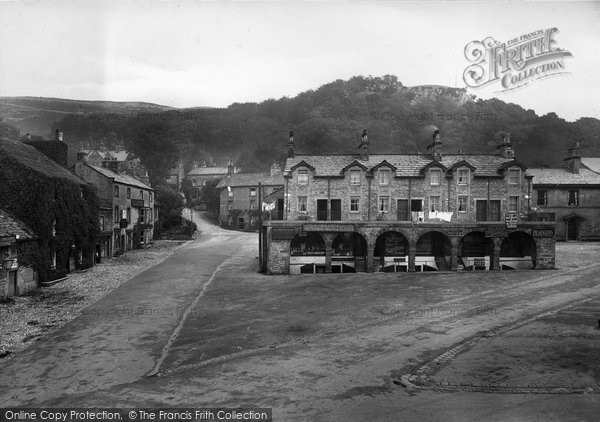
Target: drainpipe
369 201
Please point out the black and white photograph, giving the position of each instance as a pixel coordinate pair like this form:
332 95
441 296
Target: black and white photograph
299 211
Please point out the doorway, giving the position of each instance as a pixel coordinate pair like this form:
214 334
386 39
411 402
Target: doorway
572 229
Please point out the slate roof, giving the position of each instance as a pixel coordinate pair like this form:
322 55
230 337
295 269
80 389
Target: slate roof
120 178
35 160
559 176
109 155
407 165
251 179
208 171
592 163
10 226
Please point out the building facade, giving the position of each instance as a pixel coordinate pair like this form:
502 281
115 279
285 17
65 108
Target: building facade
243 197
570 196
406 212
127 209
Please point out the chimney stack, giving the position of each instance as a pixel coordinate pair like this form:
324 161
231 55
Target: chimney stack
506 147
230 168
28 136
81 156
573 160
291 146
275 168
435 148
363 148
58 135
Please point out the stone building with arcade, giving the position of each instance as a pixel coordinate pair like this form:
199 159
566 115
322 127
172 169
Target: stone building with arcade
406 212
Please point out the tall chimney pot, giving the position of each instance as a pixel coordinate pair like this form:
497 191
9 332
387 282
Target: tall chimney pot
291 145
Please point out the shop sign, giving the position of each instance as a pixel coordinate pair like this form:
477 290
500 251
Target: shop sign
543 232
454 231
511 219
283 233
328 227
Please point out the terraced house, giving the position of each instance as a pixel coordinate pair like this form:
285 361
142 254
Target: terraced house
127 208
406 212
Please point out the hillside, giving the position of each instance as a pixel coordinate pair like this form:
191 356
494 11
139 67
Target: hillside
36 115
330 119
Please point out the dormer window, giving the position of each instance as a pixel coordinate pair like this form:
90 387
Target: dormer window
435 176
514 176
303 177
384 176
355 177
463 176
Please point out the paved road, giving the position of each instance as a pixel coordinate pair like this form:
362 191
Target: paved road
343 370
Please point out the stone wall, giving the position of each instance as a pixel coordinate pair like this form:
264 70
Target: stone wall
280 233
369 192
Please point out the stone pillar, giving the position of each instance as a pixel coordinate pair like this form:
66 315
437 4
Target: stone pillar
370 257
454 254
495 259
412 250
328 251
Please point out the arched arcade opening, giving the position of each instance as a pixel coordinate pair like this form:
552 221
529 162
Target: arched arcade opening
518 251
475 251
433 253
391 252
307 254
349 253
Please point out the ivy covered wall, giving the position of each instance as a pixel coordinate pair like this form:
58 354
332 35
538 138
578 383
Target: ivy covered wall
62 214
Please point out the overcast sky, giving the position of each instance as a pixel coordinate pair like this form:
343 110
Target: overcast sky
216 53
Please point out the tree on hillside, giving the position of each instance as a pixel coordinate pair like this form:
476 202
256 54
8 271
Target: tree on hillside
153 144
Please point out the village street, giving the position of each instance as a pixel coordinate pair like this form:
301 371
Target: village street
204 329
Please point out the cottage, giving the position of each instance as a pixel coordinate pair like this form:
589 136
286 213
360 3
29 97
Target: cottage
59 207
405 212
17 276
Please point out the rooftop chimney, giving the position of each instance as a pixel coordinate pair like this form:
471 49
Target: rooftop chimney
275 168
28 136
435 148
81 156
573 160
230 167
363 148
58 135
291 146
506 147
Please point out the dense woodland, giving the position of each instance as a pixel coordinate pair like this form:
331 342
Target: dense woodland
330 119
